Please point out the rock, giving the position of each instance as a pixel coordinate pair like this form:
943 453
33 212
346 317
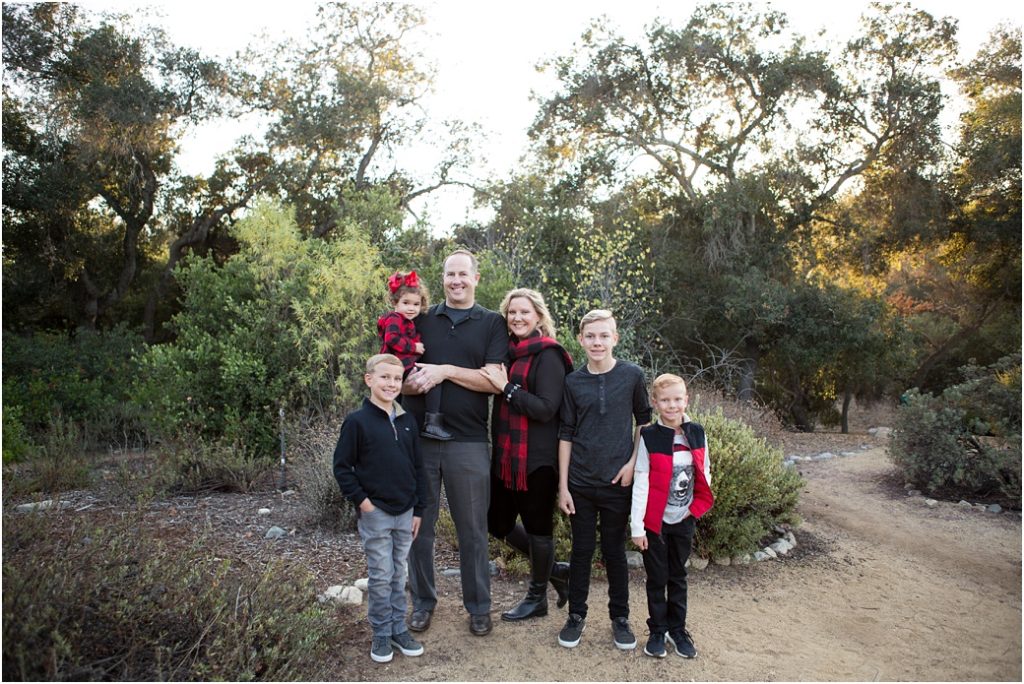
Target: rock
42 506
761 556
492 567
362 584
791 538
880 431
848 453
263 511
332 593
722 560
995 508
770 552
965 504
275 532
914 492
865 447
450 572
634 559
931 503
288 492
789 464
698 563
824 456
980 507
741 560
351 595
781 547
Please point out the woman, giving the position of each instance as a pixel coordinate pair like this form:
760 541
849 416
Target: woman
524 474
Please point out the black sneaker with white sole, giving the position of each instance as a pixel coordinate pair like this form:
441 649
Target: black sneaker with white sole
572 631
624 637
381 650
406 645
683 643
655 645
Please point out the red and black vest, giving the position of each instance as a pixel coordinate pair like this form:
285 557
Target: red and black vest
659 439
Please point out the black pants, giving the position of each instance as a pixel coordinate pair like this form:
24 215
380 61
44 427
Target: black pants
665 562
606 508
536 506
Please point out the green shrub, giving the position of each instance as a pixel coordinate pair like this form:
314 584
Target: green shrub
286 322
965 442
17 444
85 377
754 491
111 603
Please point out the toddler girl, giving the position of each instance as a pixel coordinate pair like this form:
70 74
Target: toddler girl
409 298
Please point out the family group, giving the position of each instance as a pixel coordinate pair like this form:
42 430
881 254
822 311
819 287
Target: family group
579 438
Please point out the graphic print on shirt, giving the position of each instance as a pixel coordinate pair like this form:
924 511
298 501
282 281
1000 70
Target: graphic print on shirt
681 493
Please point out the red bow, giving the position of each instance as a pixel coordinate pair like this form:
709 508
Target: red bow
397 280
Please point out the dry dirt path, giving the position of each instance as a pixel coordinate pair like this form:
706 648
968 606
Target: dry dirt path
881 588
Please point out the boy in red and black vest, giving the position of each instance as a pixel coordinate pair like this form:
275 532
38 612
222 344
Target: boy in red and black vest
671 489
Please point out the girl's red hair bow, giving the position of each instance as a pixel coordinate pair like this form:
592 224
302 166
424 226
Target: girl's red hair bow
397 280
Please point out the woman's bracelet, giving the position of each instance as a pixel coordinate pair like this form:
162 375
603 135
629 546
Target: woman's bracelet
510 389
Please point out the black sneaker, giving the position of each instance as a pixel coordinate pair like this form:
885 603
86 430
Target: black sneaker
381 650
655 645
624 638
573 630
406 644
683 643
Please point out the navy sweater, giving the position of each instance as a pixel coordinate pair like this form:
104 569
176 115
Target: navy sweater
380 460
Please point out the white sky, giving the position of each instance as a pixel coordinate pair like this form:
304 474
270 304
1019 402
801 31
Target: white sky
486 53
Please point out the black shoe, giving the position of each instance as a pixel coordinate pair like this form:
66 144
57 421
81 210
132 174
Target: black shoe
433 428
624 638
572 631
480 625
560 581
420 620
534 605
655 645
683 643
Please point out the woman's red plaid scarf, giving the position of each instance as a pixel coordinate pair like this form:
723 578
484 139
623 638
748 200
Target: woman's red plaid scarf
512 426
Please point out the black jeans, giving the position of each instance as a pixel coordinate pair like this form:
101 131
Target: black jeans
608 508
665 562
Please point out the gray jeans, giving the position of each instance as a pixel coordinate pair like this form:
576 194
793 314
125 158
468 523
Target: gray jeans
464 467
386 539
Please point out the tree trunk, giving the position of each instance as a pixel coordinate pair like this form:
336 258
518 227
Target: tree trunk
748 373
847 396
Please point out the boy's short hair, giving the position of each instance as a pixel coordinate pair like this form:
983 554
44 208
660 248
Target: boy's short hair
666 380
596 315
377 359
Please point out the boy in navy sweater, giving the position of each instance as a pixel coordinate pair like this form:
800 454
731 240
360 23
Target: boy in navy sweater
378 466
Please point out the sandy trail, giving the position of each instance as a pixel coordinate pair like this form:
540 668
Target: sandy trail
881 588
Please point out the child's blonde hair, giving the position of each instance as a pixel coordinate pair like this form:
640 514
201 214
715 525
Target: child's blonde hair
378 359
666 380
597 315
545 325
419 288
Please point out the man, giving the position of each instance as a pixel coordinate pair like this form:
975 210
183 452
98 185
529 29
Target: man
461 338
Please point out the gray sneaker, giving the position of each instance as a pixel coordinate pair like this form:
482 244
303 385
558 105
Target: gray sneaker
406 644
381 650
624 637
572 632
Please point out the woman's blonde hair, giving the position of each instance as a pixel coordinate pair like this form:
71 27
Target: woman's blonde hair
545 325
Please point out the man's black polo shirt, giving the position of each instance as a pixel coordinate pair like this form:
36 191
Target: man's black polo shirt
475 341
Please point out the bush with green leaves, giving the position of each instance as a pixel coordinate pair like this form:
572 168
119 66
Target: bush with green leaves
83 602
85 377
286 323
965 442
17 443
754 490
57 463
